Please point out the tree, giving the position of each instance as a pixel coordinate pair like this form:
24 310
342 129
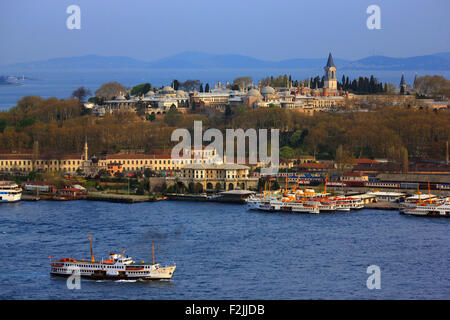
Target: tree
102 173
228 111
242 82
189 85
148 172
433 86
389 88
207 87
3 124
404 159
176 84
344 159
110 90
141 108
81 93
287 152
140 89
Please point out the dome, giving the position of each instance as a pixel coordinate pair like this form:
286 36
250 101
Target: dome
181 93
149 93
168 89
120 96
268 90
254 93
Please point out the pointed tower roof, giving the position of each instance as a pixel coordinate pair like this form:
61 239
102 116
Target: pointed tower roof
330 62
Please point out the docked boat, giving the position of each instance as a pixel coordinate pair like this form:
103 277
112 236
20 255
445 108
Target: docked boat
117 267
431 209
10 192
303 201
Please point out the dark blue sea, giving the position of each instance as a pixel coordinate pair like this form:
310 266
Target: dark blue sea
61 84
223 251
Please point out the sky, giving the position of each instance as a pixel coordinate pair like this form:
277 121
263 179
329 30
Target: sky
33 30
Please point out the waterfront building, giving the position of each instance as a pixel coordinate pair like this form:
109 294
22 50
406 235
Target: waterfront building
215 176
27 162
123 162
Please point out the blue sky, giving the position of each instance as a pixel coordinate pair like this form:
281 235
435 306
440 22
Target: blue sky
265 29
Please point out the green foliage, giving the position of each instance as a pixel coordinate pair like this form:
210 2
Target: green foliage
140 89
3 124
27 122
287 152
151 117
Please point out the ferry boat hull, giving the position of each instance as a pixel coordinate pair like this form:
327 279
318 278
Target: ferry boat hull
426 213
160 273
117 267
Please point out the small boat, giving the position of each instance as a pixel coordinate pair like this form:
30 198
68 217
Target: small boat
117 267
10 192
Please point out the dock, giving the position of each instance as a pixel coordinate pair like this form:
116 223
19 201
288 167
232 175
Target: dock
187 197
382 206
122 198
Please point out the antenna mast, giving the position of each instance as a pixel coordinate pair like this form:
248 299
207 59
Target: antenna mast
153 253
92 251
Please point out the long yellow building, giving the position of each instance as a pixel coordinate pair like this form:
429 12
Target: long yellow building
71 163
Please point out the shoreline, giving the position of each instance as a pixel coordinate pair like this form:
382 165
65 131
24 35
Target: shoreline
130 199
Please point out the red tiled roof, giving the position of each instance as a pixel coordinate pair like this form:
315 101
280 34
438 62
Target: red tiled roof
352 174
45 156
315 165
365 161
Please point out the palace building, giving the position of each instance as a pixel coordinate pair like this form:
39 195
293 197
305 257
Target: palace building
128 162
223 176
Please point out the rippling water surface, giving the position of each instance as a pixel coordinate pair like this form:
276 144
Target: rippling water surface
223 251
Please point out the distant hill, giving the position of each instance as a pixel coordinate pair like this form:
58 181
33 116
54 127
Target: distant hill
199 60
82 62
439 61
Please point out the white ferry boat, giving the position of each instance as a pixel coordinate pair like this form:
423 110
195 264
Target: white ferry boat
435 209
117 267
285 204
10 192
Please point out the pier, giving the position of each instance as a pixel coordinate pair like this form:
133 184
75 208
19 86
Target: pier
123 198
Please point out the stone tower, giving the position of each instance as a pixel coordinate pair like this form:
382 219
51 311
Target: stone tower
85 156
330 81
